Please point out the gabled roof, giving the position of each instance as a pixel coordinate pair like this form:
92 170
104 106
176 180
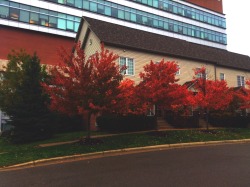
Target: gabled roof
121 36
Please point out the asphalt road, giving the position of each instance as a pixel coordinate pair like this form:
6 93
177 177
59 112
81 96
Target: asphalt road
221 165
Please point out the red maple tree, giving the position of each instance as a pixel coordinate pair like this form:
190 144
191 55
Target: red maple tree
242 96
129 100
210 94
81 86
159 86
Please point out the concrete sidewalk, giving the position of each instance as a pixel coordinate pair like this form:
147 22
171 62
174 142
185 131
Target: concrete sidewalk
118 134
95 136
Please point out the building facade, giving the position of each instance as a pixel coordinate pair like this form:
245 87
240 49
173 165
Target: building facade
190 32
45 25
37 24
137 48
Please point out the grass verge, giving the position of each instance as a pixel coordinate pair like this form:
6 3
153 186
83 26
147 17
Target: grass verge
13 154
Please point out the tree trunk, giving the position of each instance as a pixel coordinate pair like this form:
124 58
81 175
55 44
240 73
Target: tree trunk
156 112
207 124
156 116
88 125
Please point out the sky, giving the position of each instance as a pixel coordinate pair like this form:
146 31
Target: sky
238 25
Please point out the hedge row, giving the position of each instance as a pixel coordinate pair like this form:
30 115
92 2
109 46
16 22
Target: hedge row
183 121
63 123
230 121
215 119
114 123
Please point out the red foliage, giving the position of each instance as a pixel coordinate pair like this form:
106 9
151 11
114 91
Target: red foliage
211 94
80 86
159 86
242 96
129 101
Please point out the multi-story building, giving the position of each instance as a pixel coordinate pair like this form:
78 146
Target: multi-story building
43 25
191 32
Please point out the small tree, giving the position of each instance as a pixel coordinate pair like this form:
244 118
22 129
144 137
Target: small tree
22 97
241 98
159 86
84 87
128 100
211 94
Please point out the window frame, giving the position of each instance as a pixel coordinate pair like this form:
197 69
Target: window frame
126 64
178 72
224 77
241 81
199 75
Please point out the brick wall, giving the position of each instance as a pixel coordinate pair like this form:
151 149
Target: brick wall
215 5
46 45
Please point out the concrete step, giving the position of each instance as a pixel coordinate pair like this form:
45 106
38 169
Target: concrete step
162 124
203 124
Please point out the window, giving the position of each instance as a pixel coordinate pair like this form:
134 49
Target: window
178 72
24 16
93 7
133 17
129 63
14 13
70 2
222 76
100 9
127 15
70 23
150 2
85 5
44 20
34 18
76 26
4 12
121 14
78 4
201 74
107 11
52 22
184 10
114 12
155 3
61 23
240 80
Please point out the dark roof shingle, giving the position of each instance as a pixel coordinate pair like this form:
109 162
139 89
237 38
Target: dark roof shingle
117 35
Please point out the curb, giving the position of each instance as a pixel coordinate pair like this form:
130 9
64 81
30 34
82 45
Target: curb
116 152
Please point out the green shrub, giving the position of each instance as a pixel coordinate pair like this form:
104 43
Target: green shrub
185 122
179 121
229 121
63 123
40 130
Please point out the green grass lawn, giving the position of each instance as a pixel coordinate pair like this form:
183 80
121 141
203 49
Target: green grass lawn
12 154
